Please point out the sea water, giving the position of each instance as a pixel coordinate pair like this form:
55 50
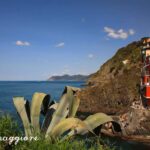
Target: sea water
9 89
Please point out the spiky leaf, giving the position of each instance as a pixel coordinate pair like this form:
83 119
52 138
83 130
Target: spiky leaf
20 103
64 107
37 100
48 117
65 125
92 122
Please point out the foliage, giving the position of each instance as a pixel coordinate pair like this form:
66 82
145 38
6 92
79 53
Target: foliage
61 128
61 119
78 143
9 127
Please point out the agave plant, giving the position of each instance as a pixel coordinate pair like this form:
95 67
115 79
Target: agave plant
59 117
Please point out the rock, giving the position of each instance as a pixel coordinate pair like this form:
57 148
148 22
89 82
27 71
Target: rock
114 87
136 121
125 61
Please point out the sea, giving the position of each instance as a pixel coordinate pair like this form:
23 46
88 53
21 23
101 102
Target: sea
9 89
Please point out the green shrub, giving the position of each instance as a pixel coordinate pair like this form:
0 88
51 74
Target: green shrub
8 127
75 144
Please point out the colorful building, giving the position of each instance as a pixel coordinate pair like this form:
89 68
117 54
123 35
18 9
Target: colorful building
145 75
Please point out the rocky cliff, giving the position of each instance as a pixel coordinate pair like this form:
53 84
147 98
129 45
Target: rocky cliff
115 85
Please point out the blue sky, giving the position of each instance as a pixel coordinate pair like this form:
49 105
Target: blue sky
40 38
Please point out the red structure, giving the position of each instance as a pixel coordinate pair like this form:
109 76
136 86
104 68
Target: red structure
145 76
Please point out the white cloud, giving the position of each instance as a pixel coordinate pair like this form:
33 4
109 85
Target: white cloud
22 43
131 32
109 30
61 44
118 34
90 56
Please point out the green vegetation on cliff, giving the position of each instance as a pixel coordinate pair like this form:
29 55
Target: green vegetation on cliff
115 85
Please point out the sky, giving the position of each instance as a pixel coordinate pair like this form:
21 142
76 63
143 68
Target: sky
41 38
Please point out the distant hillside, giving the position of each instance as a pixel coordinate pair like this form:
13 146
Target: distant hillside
114 86
67 77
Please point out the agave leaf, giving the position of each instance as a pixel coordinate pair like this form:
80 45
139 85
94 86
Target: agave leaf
46 104
37 100
64 107
48 117
74 107
54 106
75 89
97 119
75 103
20 103
65 125
91 122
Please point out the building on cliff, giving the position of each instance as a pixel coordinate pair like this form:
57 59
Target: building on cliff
145 75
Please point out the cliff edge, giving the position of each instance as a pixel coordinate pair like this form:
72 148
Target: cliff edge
114 87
